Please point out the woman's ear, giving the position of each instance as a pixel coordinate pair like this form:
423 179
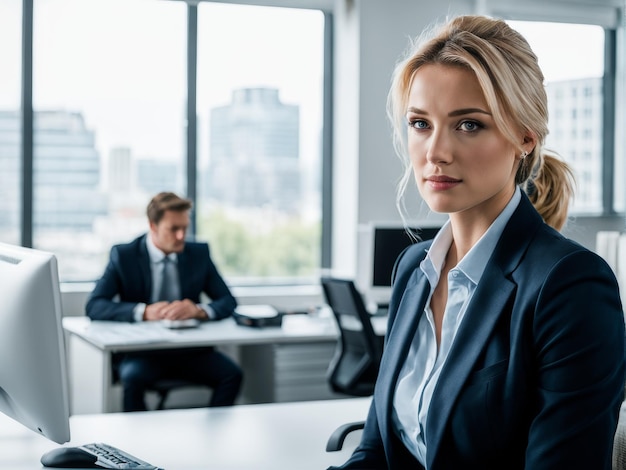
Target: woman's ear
529 142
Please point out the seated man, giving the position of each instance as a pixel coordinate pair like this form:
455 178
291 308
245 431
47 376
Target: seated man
159 276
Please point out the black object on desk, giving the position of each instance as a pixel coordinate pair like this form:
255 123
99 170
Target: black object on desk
96 455
257 316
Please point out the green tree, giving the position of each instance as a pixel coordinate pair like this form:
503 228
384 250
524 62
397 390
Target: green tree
289 249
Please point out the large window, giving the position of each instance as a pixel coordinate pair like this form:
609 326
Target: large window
219 102
575 102
10 117
260 94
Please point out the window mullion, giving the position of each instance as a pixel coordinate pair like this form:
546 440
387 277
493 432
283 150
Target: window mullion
608 122
192 158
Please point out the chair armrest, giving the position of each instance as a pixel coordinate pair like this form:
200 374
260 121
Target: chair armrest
335 441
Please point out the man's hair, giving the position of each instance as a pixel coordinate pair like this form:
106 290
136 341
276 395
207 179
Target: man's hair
166 201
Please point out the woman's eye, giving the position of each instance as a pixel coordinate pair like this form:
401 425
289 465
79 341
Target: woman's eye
418 124
469 126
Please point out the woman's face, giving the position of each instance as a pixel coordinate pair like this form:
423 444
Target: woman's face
461 162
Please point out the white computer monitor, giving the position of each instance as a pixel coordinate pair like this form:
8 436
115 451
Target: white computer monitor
379 245
33 376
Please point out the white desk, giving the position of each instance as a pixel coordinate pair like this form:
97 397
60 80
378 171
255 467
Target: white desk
122 336
284 436
91 346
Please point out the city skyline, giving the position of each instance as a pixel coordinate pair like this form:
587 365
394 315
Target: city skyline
145 73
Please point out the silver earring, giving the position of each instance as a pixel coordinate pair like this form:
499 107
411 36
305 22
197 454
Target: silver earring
523 155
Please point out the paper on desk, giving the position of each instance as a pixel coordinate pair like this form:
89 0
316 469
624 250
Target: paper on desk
133 333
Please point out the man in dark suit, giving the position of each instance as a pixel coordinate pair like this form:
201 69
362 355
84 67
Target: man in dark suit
160 276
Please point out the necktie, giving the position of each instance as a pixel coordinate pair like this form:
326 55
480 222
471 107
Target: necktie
168 281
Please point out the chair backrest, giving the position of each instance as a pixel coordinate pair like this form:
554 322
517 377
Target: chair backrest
354 368
619 443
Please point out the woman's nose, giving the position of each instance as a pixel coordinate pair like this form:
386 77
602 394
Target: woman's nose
439 149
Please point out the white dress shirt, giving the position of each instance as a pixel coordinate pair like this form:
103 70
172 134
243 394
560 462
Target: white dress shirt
420 372
156 270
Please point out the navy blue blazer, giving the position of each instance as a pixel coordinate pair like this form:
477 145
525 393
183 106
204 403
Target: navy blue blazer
535 377
128 276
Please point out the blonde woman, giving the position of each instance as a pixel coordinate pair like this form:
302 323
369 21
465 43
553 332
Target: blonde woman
505 345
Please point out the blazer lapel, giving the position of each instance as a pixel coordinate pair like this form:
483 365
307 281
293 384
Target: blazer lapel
486 307
144 268
494 291
402 331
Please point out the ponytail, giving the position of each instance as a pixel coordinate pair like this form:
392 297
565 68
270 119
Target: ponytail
550 186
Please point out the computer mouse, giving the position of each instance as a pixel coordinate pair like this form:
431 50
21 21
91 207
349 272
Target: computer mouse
69 457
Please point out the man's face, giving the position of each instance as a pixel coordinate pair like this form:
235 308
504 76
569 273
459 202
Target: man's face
169 234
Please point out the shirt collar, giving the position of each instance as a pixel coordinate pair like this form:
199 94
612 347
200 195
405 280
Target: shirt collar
474 262
156 255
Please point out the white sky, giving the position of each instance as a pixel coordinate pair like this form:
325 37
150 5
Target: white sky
101 57
565 51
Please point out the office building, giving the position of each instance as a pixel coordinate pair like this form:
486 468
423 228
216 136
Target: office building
210 54
121 172
575 110
254 151
154 176
66 174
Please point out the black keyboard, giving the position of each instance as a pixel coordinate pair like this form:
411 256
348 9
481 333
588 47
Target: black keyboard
109 456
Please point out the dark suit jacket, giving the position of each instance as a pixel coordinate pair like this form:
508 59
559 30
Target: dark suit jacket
535 377
128 276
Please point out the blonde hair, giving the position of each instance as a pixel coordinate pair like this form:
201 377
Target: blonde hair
512 82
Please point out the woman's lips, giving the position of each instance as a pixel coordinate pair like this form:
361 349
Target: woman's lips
442 183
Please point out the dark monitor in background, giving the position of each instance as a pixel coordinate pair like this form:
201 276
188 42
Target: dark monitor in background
388 244
33 376
380 244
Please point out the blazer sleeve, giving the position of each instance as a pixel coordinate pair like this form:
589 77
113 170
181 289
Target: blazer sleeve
101 304
578 333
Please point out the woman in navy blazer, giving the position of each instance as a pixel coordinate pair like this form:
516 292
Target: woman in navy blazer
505 343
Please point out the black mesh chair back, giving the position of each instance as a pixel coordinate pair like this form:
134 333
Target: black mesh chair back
354 367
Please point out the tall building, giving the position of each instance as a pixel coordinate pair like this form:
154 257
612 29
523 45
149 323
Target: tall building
66 174
254 151
575 111
120 170
154 176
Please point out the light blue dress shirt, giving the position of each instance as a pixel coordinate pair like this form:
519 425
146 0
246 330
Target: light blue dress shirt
420 372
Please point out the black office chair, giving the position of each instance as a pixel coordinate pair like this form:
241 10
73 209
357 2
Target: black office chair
161 387
354 367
